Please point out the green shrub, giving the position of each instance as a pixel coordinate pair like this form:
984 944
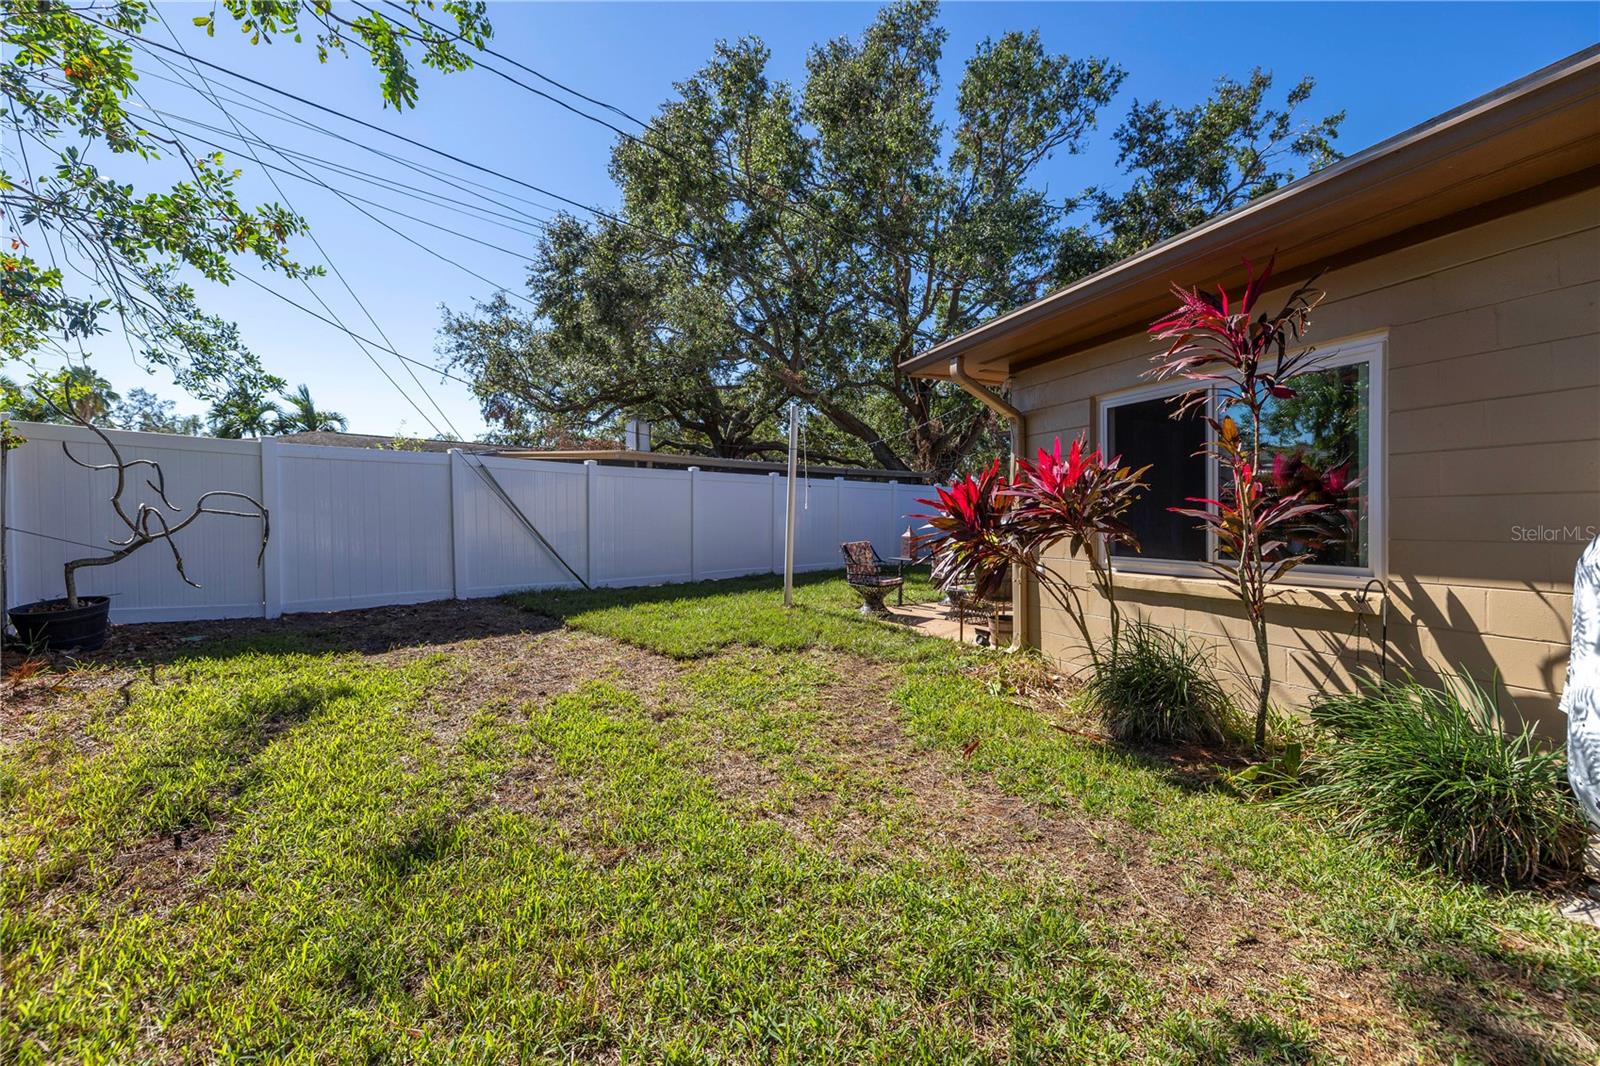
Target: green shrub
1159 687
1434 771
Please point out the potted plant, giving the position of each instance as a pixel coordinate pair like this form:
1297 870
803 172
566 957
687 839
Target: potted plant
80 623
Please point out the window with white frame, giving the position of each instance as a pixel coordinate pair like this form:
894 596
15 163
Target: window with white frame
1322 442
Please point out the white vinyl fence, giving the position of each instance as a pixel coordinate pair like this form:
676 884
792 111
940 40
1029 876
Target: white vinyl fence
359 528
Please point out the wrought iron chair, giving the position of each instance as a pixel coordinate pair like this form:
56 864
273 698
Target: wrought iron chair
863 570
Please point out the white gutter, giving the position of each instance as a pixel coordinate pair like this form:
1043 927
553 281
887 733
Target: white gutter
1022 635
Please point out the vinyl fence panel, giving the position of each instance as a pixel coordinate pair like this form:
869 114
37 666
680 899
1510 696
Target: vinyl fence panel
499 555
733 530
640 526
358 528
53 502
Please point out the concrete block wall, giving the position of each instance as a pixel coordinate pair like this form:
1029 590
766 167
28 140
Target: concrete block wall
1492 441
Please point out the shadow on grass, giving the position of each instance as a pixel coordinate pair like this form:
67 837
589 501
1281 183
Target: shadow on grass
369 631
691 621
1458 998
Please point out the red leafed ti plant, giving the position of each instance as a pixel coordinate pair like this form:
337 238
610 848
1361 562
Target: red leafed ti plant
1082 501
1250 359
983 526
972 542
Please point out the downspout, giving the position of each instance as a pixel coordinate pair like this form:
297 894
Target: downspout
1022 635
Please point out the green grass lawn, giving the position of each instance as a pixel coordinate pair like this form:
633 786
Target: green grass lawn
691 826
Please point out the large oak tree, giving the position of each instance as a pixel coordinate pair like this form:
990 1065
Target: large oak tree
779 241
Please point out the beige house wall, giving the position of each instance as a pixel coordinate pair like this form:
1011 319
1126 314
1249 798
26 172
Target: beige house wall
1492 441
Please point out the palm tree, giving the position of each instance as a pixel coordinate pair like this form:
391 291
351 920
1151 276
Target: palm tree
78 390
242 412
92 395
302 416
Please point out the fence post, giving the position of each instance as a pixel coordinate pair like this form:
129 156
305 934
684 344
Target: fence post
894 512
694 472
7 538
272 561
772 523
838 511
590 472
458 524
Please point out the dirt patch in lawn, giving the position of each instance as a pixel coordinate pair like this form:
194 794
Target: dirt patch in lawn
160 873
1193 931
506 654
502 674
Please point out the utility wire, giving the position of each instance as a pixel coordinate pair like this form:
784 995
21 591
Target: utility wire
502 219
523 67
314 294
343 328
63 540
351 199
790 205
597 212
580 205
240 128
249 102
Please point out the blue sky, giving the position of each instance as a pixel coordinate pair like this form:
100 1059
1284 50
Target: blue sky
1389 66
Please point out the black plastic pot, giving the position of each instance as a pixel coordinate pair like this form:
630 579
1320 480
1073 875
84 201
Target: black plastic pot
52 624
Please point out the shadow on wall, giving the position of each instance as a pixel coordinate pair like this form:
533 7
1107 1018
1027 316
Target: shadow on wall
1431 630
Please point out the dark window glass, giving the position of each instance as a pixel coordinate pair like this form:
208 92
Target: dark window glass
1314 444
1146 433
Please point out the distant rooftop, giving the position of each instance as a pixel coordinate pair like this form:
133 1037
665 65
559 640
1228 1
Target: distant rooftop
625 457
389 444
607 456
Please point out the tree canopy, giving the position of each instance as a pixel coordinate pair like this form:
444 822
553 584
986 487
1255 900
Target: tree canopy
782 242
56 396
111 251
146 412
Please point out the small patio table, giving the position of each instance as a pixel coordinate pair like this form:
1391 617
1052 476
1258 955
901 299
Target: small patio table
900 563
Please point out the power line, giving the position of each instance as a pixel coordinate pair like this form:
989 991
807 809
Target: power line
346 329
521 66
512 217
314 294
239 98
240 129
790 204
500 220
597 212
349 197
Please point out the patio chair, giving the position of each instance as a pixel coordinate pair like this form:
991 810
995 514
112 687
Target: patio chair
863 569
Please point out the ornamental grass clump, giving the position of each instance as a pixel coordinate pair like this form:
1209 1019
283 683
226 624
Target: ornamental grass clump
1434 771
1159 687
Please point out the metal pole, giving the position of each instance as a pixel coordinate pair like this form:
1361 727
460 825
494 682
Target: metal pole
788 536
5 553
